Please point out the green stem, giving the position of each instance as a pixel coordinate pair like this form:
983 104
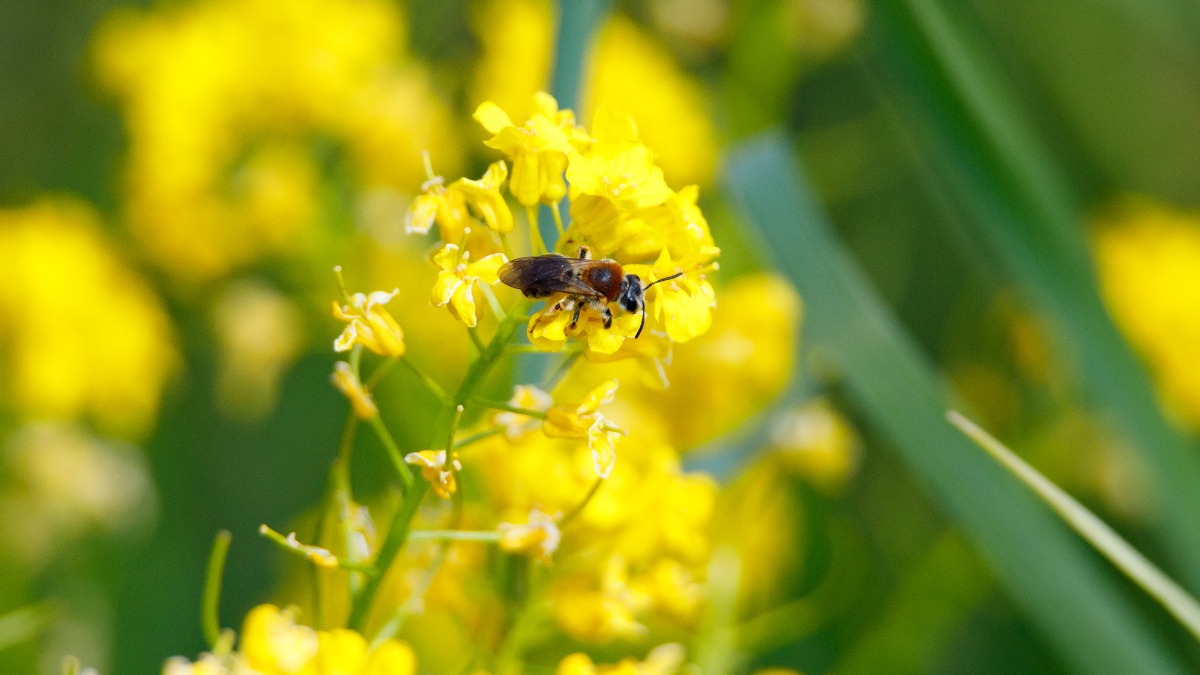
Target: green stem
393 451
475 339
430 384
536 243
474 438
558 221
508 407
489 536
574 512
311 553
401 525
210 621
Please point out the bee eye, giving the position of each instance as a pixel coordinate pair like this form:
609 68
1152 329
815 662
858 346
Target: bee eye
629 302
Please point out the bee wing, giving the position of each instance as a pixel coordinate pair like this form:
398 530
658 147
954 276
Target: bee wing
550 273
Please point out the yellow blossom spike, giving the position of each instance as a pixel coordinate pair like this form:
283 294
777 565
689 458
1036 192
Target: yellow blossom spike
538 536
369 324
437 470
348 383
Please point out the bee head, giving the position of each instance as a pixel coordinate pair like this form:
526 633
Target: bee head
633 296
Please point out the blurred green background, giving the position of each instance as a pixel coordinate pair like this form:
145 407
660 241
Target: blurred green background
936 180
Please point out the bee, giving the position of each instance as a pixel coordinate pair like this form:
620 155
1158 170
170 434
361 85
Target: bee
587 283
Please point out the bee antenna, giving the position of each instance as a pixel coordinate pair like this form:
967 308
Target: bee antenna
659 281
677 274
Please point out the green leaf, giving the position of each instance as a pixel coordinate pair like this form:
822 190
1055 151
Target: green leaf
988 156
1041 563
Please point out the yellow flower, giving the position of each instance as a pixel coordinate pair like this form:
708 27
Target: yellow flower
539 536
549 329
348 383
457 280
585 421
369 324
676 225
274 644
484 194
618 166
272 641
538 148
82 335
436 470
441 205
682 307
208 664
527 397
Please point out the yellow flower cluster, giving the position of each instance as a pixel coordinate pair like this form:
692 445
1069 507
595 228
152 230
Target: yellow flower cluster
83 335
1148 263
222 100
272 643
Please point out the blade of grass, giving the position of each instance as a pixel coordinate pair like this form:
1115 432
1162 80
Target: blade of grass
987 154
1043 566
1133 564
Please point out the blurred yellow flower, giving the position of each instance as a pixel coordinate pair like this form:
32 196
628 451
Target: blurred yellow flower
662 660
456 281
436 468
719 379
1148 263
61 484
635 73
369 324
221 170
272 643
81 333
538 148
514 44
538 536
816 442
348 383
526 397
260 332
585 421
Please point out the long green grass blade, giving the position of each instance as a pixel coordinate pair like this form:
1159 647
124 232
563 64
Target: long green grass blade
987 155
1041 563
1132 563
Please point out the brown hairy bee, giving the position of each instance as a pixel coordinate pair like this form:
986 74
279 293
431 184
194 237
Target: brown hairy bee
587 282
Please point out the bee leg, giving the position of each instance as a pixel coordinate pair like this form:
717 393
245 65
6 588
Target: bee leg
575 316
607 318
584 253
